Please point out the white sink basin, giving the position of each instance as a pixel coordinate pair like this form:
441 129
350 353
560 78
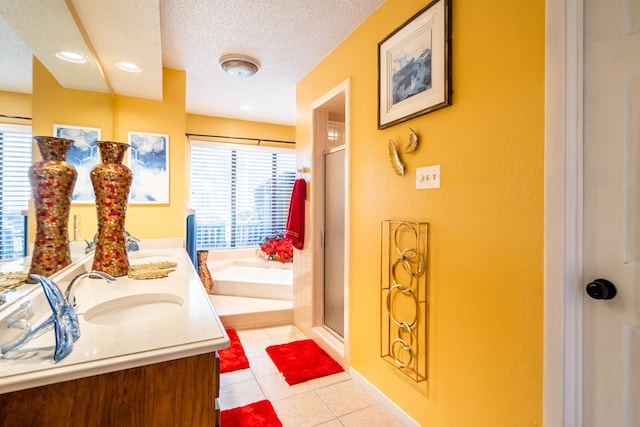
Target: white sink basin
133 309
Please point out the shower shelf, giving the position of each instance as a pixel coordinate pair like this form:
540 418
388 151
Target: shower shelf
403 297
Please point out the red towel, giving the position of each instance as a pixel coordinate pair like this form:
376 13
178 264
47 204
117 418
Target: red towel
295 223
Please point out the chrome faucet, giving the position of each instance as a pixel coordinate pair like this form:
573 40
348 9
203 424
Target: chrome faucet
131 242
71 289
90 246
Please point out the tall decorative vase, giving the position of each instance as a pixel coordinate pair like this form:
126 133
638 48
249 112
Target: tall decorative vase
111 182
52 180
203 270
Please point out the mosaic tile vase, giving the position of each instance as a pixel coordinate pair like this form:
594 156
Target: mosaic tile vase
203 270
111 183
52 180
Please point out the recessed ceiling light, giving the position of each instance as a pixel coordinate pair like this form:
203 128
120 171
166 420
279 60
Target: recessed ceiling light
246 107
128 66
74 57
239 65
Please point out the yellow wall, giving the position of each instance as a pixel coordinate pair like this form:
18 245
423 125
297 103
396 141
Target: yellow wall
17 105
118 115
166 117
52 104
486 242
198 124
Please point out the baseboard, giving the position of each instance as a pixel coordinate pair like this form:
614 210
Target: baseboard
331 344
384 400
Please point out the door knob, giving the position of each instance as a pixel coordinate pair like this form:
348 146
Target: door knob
601 289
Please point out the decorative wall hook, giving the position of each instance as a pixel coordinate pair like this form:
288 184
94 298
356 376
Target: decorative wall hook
413 142
396 163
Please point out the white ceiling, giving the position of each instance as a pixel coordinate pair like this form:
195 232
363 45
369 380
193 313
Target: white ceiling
288 38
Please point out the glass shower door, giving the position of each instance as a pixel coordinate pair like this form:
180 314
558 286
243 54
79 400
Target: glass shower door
333 245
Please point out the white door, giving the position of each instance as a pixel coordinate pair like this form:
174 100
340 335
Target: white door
611 328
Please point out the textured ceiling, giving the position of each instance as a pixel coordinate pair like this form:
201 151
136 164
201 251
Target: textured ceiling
288 37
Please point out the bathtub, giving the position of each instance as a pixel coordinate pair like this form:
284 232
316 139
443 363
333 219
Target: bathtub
253 278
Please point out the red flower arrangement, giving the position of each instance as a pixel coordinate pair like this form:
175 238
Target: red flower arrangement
277 248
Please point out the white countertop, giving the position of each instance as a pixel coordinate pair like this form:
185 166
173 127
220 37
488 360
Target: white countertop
164 333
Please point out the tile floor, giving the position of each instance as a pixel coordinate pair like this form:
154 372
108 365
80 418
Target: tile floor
332 401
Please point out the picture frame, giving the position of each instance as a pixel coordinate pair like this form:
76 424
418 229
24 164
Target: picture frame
149 162
83 155
414 66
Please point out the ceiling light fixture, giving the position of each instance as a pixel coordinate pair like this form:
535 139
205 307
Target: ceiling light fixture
76 58
239 65
128 66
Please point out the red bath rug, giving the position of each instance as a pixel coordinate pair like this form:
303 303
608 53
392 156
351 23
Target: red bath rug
233 358
302 360
260 413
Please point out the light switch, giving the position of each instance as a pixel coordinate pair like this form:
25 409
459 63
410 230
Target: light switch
428 177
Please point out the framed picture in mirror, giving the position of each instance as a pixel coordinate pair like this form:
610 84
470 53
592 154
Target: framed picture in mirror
149 162
83 155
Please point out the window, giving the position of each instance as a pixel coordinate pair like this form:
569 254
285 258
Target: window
15 189
240 193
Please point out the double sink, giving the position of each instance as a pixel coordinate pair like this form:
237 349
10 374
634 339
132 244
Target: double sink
123 324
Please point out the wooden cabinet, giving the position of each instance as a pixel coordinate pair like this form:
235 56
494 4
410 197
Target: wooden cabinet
175 393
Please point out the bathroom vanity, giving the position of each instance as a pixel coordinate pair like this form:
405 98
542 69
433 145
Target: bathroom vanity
147 354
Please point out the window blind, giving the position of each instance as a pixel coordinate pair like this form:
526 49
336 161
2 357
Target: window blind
240 193
15 189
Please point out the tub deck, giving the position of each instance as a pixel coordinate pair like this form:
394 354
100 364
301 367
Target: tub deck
251 293
245 312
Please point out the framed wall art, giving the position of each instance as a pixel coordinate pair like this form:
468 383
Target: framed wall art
414 66
83 155
149 162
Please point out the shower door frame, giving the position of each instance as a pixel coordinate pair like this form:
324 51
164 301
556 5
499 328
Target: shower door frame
336 346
